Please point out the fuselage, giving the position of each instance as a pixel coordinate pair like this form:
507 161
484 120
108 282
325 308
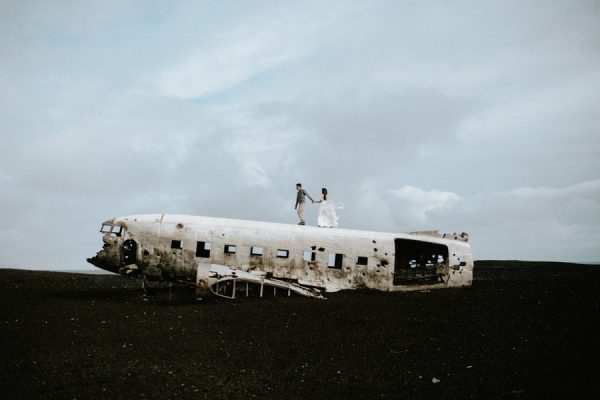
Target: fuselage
180 248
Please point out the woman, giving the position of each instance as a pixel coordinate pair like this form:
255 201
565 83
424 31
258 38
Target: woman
327 216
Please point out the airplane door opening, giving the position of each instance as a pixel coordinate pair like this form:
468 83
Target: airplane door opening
419 262
129 252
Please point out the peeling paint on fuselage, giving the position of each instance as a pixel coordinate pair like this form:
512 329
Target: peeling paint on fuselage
165 248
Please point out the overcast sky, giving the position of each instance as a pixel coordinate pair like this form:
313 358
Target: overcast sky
470 116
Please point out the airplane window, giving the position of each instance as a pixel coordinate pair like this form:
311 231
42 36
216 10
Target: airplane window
230 249
362 261
283 253
116 230
203 249
309 256
335 260
256 251
176 244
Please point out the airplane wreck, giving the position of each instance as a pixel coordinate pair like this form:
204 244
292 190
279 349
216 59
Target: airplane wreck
234 258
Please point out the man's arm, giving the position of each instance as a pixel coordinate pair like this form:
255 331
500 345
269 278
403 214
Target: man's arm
308 195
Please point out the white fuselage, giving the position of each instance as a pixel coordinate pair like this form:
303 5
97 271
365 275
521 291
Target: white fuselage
183 248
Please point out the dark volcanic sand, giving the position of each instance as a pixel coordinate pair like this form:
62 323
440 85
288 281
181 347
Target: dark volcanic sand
523 331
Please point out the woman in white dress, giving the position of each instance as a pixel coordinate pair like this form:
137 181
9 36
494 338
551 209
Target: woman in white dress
327 216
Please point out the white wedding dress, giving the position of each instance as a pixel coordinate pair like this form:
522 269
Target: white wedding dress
327 216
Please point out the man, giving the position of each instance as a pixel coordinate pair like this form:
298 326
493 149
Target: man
300 202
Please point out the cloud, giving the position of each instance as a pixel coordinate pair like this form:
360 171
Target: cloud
423 199
528 223
418 202
548 110
532 223
261 147
235 59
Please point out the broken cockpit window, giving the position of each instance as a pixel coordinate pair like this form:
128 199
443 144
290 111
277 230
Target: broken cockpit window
113 230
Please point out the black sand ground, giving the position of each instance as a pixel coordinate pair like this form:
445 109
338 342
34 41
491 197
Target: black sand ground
523 331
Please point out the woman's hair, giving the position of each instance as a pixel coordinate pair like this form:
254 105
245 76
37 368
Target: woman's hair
324 191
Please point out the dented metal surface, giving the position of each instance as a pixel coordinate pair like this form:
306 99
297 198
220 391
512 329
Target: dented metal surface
232 258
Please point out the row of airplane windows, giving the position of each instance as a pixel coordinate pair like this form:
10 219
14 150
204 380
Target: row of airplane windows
203 251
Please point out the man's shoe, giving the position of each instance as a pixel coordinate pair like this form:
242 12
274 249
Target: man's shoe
301 223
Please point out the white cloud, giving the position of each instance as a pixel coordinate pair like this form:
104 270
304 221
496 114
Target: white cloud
229 62
262 147
548 111
418 202
532 223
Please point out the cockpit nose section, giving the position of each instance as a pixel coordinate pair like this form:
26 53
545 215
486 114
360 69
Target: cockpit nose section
107 259
111 257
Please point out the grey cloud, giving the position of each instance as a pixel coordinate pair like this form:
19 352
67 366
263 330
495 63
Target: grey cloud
558 223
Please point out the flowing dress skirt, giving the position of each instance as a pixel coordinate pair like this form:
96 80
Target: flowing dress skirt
327 215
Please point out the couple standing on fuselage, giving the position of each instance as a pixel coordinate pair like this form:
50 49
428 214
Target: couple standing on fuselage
327 217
